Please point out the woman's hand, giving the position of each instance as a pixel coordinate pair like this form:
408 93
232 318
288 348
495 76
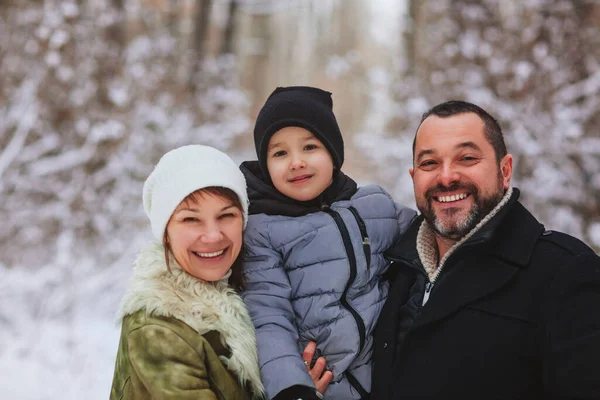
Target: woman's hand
320 377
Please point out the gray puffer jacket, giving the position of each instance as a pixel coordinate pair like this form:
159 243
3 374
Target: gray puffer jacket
317 277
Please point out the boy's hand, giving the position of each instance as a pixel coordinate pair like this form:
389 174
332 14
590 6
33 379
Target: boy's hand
317 372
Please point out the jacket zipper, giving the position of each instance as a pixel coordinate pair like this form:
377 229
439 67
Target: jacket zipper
353 271
366 242
428 285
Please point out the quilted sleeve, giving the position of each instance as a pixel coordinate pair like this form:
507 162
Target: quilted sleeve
267 296
405 215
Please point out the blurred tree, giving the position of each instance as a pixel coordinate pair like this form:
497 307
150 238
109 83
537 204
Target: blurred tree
87 112
534 65
229 34
202 21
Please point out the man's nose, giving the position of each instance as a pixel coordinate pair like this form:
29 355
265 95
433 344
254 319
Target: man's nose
448 175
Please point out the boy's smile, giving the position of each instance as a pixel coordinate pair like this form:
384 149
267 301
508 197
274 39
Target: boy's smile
300 179
299 165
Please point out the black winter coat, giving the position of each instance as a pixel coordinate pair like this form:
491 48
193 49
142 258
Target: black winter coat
514 314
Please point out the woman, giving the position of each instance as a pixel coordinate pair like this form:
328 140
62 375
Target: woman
186 333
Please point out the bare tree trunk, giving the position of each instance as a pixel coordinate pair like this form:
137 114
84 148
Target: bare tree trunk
230 28
201 21
172 15
117 31
111 66
409 35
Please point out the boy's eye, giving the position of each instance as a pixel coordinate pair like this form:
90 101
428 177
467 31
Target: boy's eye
279 153
310 147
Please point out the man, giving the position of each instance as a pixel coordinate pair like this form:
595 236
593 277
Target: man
485 303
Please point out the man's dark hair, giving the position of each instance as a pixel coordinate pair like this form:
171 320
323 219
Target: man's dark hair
492 129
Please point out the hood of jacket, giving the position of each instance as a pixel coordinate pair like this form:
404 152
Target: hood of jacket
265 199
204 306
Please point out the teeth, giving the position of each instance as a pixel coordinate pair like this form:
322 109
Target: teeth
209 255
454 197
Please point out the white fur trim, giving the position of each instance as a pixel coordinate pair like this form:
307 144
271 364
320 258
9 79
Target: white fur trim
427 245
204 306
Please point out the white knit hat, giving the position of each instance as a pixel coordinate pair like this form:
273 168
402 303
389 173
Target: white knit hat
183 171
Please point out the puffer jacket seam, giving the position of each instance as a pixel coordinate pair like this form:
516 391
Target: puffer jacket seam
315 263
359 195
300 237
305 296
328 322
275 359
288 268
379 218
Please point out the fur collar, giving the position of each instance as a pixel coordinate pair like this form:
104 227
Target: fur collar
427 245
202 305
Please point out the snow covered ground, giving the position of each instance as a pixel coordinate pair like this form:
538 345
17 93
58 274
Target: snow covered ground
62 338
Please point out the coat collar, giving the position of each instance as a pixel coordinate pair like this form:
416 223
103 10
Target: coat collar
204 306
510 235
484 263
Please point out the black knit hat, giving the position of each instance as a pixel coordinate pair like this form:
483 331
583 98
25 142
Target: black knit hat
302 106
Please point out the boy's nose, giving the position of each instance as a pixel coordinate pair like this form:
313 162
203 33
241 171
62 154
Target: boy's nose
297 162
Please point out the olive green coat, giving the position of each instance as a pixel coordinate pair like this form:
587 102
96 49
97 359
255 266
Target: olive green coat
183 338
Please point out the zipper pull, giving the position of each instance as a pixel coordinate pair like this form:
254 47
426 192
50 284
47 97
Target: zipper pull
366 242
428 288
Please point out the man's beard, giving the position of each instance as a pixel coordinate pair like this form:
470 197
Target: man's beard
452 227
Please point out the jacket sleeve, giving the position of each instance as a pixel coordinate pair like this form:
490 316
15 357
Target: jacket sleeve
166 366
268 298
405 216
572 351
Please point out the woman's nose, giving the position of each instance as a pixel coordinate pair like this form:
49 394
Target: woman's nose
212 234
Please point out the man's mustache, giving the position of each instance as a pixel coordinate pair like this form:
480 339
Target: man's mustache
438 189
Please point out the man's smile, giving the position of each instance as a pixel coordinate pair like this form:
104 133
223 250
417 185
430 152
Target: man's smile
451 198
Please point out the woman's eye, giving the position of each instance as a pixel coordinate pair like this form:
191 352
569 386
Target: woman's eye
190 219
228 215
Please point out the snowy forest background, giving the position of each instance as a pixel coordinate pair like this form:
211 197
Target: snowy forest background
93 92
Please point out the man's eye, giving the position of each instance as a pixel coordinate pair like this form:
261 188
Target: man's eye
279 153
428 163
469 158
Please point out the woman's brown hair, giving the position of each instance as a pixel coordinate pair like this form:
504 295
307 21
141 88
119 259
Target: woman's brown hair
236 279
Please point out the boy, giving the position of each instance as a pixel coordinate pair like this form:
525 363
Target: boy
315 246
